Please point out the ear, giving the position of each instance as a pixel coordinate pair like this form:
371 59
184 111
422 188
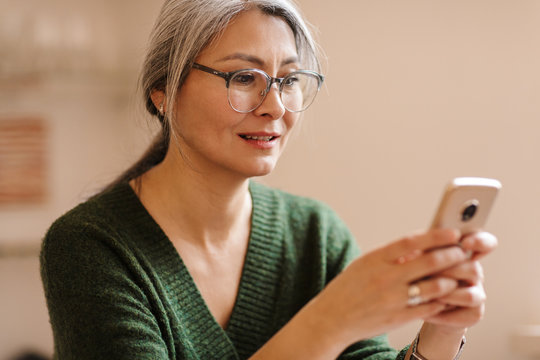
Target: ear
160 101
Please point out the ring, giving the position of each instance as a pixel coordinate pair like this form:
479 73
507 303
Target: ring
414 295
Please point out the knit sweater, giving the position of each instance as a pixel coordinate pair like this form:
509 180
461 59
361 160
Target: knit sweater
116 287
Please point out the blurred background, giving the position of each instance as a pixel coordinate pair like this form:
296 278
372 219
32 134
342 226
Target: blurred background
417 92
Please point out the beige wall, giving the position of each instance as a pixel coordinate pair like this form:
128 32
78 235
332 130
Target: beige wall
95 128
417 92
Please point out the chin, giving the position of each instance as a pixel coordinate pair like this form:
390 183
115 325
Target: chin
261 169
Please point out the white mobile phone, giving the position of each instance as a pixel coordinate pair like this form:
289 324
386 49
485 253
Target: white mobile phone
466 204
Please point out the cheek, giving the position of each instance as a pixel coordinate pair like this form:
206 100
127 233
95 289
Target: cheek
199 111
202 91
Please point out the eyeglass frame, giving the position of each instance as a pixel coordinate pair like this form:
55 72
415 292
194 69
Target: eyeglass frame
227 76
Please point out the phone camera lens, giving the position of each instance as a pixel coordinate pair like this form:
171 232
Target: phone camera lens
469 211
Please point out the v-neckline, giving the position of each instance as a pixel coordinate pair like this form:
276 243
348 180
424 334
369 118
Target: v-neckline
251 319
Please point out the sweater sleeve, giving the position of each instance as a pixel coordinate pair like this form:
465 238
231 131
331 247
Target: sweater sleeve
96 306
342 249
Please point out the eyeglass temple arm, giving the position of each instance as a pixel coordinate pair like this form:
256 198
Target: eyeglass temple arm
224 75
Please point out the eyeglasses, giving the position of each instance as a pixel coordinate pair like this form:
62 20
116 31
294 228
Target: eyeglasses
247 88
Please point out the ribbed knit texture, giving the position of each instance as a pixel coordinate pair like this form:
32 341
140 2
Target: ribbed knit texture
117 288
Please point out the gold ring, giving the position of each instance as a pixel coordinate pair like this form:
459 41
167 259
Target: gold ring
414 297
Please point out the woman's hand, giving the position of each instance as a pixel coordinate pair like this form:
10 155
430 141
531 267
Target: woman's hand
441 333
465 305
371 296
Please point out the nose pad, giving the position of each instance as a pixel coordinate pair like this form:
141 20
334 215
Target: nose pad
272 103
264 92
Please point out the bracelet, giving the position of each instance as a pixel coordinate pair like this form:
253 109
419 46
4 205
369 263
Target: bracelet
417 356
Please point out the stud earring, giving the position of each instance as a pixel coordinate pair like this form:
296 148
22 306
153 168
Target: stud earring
161 109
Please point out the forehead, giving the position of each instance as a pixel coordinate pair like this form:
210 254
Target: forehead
256 34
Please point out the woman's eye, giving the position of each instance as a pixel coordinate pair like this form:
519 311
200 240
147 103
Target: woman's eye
244 79
290 81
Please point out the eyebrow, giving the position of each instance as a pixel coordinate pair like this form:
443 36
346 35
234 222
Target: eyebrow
256 60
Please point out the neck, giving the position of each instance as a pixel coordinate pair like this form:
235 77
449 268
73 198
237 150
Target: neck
203 207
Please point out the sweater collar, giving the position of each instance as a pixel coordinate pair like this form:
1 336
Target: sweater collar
252 322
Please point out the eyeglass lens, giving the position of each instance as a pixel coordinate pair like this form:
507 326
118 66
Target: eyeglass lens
247 90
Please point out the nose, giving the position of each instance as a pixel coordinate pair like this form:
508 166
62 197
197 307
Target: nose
272 106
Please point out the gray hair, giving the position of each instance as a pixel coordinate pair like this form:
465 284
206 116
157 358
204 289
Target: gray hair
182 30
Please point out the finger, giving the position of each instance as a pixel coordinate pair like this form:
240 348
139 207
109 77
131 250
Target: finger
418 243
422 311
480 243
472 296
432 263
470 272
435 288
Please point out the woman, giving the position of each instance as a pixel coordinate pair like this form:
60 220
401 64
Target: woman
185 258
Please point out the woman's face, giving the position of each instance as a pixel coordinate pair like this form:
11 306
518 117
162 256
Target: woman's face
213 136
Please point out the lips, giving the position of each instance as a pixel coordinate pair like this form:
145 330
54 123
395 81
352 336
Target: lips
261 140
259 136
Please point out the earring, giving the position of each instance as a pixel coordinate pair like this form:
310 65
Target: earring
161 109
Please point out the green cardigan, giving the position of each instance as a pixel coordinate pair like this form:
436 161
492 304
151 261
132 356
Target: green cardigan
116 288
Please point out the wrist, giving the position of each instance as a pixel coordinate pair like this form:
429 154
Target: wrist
415 355
439 342
435 330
